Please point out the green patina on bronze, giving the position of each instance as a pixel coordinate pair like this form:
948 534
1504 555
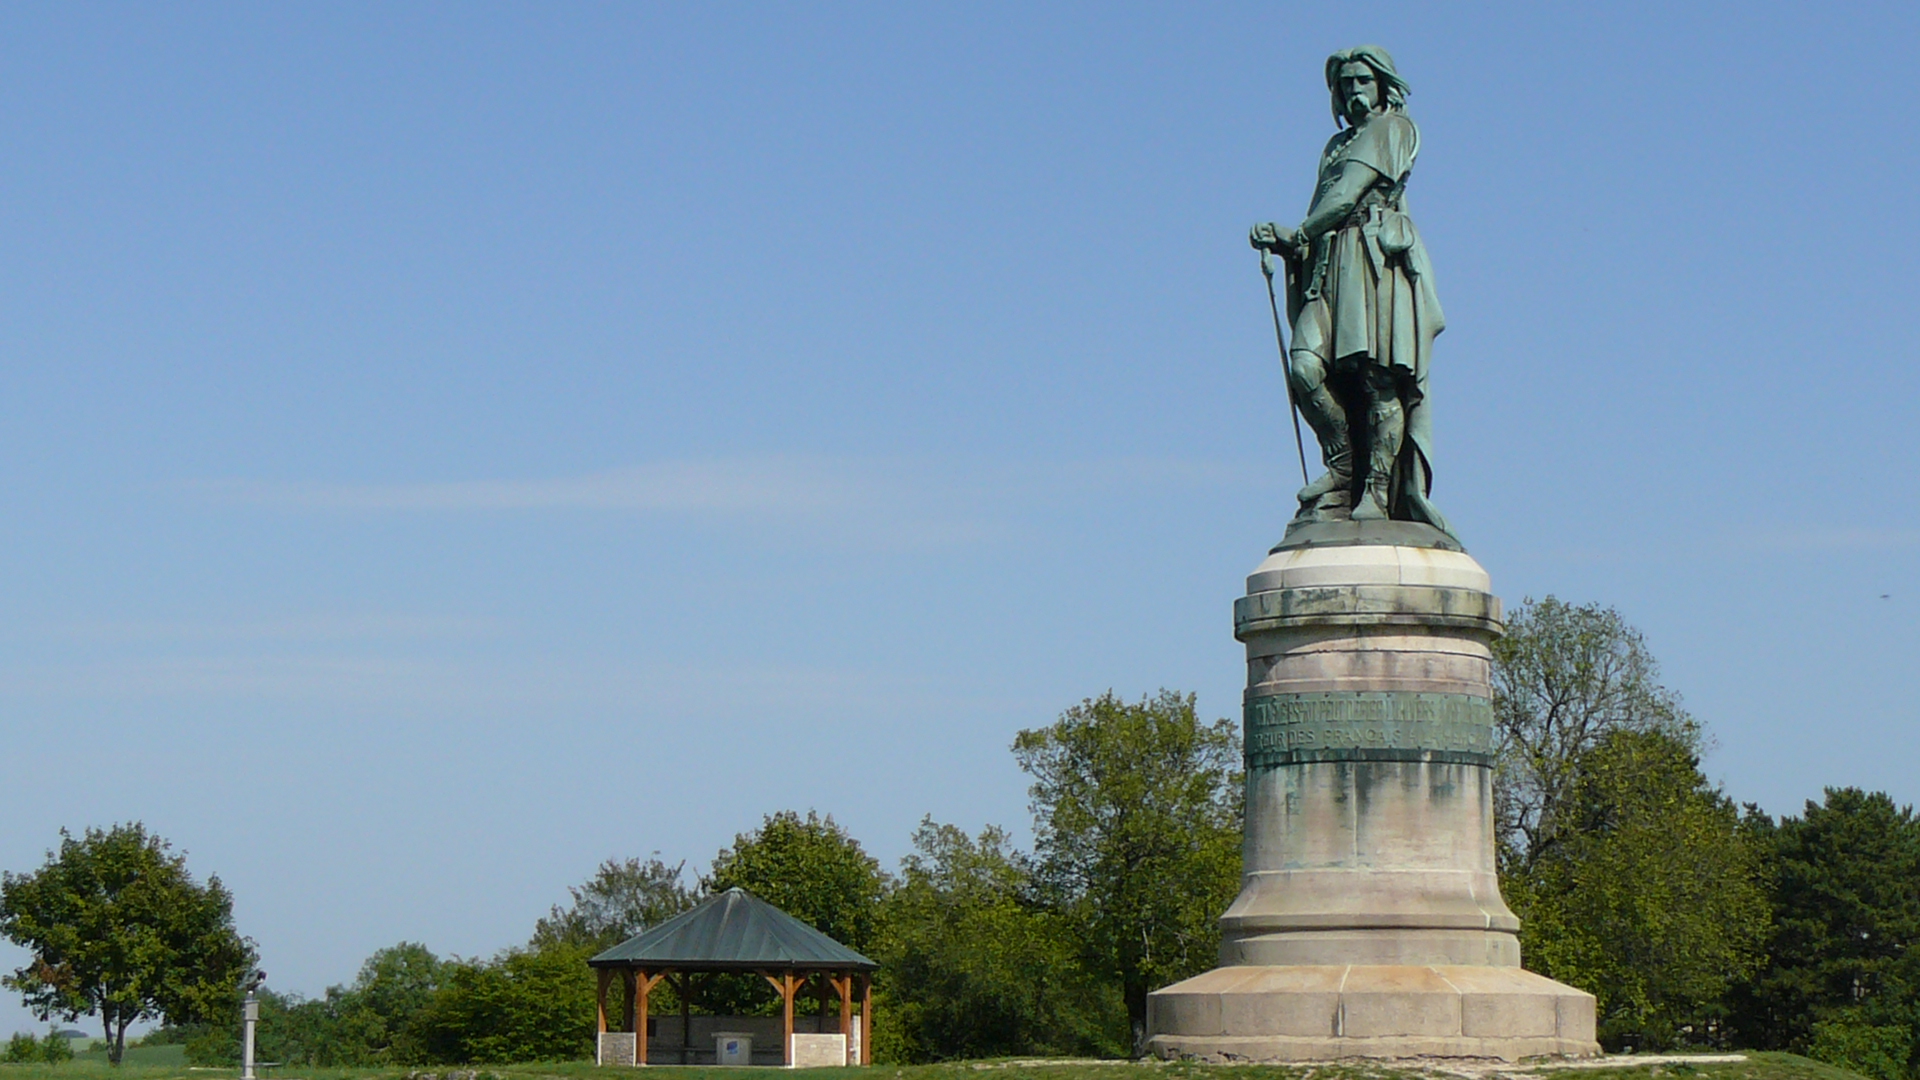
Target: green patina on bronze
1292 729
1326 534
1362 307
1366 605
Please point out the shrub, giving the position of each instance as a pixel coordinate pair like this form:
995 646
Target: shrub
22 1048
523 1006
51 1049
1875 1050
55 1048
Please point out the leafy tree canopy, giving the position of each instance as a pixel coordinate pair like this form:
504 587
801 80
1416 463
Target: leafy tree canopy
50 1049
1843 981
1652 897
973 966
371 1022
398 981
623 898
1566 677
119 929
809 868
1137 835
521 1006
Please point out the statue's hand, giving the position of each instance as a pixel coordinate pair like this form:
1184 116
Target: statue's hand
1267 236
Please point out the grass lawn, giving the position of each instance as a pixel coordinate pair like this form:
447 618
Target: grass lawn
1755 1067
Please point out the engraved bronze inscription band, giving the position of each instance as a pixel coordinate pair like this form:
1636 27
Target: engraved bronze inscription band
1293 729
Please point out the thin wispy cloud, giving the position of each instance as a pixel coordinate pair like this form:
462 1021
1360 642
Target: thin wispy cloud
292 630
724 486
868 503
1845 539
1677 545
378 682
1158 473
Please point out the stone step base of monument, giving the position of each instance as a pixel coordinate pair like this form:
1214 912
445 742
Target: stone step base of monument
1325 1012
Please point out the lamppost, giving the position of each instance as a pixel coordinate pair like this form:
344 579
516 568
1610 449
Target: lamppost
250 1013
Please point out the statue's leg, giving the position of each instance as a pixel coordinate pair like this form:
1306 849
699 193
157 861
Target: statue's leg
1323 412
1386 426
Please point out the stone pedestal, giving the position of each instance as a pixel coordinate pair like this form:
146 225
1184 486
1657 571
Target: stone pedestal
1369 922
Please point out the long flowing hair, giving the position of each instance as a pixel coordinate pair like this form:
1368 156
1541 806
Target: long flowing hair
1375 57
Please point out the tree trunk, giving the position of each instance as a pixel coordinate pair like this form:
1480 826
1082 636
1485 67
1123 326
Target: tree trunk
116 1039
1135 990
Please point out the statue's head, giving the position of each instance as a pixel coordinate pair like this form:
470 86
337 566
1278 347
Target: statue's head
1362 81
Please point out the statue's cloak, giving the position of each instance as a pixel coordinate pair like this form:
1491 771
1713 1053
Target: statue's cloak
1374 274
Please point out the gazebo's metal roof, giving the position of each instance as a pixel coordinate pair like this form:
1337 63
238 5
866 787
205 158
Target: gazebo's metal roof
733 931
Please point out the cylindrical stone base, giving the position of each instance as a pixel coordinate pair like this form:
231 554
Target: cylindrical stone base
1370 881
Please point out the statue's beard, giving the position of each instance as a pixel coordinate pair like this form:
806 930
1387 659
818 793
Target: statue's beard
1359 108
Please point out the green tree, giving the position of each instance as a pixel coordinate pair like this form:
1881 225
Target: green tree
22 1048
377 1015
1651 897
371 1022
296 1030
55 1047
50 1049
521 1006
1880 1051
809 868
119 929
1843 977
1137 835
973 966
623 898
1564 679
289 1027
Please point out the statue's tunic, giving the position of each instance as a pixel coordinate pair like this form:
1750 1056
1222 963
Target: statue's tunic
1367 290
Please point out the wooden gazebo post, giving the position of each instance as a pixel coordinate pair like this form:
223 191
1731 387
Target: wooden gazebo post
787 984
683 989
630 1000
843 987
600 1010
786 1012
639 1000
866 1019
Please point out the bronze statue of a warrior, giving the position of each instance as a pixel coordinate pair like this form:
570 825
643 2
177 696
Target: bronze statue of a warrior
1361 301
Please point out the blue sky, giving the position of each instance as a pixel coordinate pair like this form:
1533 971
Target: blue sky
447 446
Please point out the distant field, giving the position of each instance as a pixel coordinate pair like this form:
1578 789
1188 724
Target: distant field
1756 1067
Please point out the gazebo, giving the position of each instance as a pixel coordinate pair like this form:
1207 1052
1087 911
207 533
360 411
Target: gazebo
738 932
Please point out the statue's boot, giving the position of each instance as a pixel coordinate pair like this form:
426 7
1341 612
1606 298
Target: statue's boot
1389 422
1329 423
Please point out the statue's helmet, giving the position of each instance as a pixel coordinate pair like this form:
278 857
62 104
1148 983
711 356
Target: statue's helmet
1391 84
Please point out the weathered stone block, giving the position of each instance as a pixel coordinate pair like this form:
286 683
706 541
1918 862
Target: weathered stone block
614 1048
1369 921
817 1051
1300 1012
